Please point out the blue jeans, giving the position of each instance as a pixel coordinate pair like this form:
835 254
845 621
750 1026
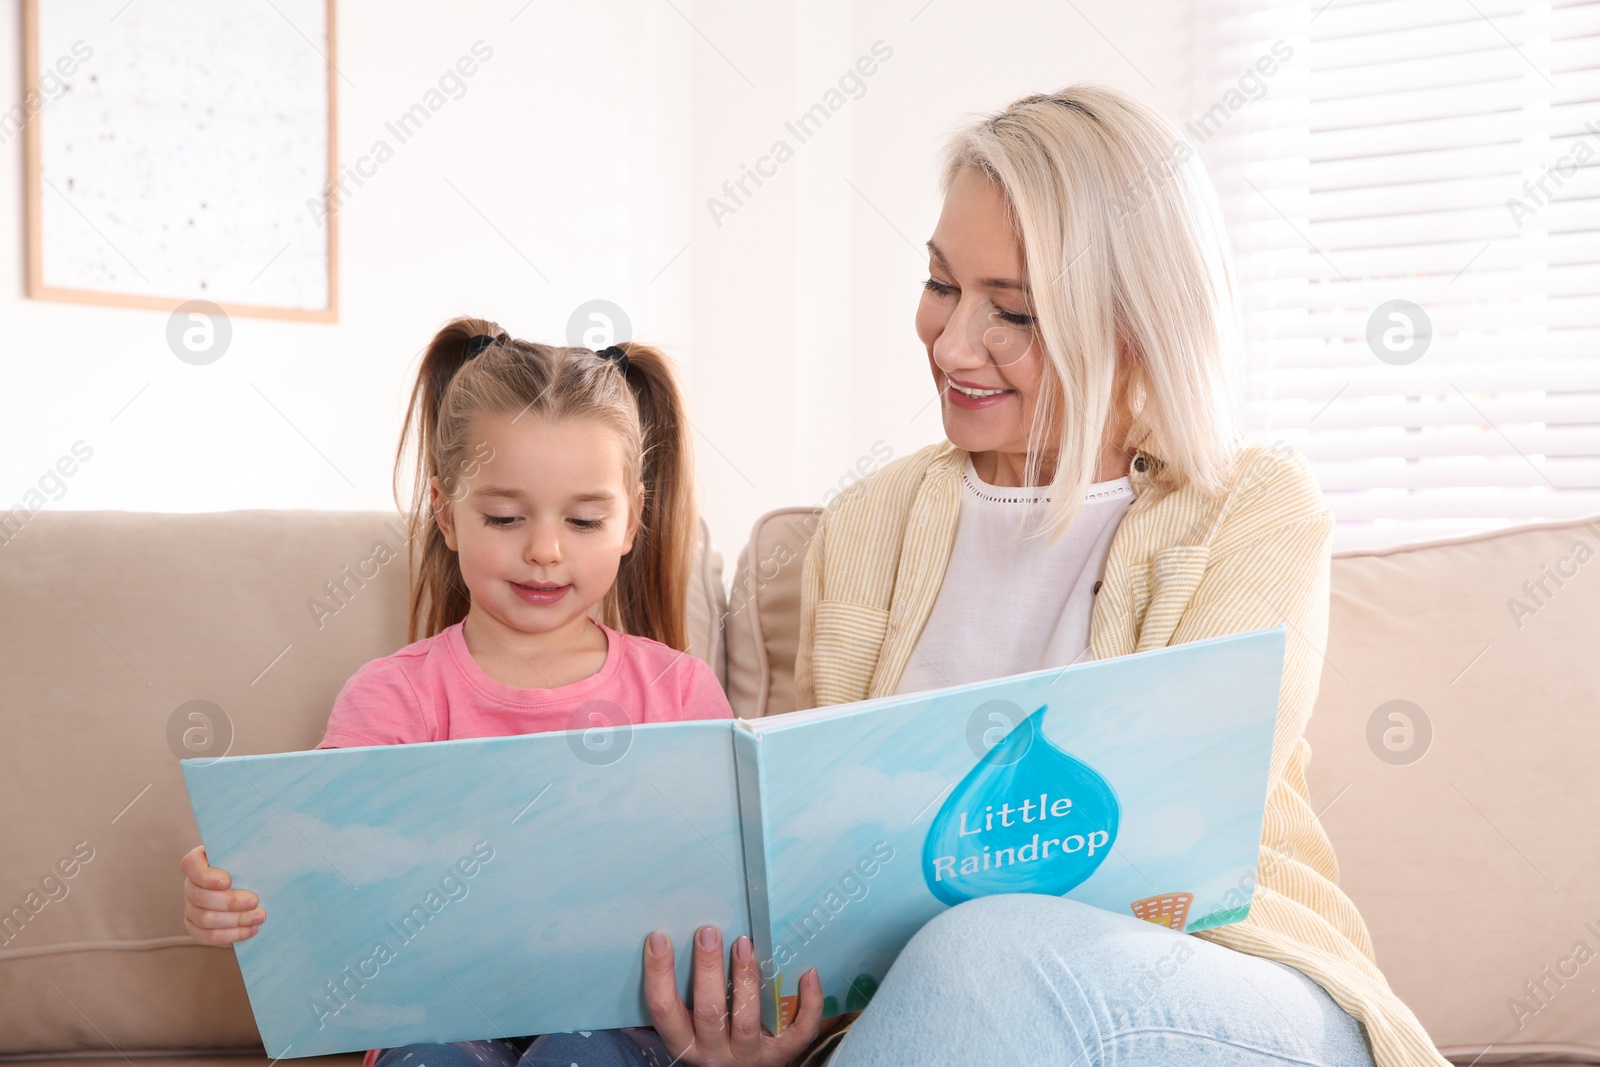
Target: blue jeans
1032 979
628 1047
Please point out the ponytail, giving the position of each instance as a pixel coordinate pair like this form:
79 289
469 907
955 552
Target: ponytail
438 596
642 404
651 591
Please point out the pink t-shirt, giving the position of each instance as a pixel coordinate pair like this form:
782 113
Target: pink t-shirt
433 690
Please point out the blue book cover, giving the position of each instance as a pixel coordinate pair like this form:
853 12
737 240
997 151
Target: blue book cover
502 887
1136 784
456 890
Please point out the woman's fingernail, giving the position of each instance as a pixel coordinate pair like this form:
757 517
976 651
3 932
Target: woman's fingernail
258 916
741 950
708 937
657 943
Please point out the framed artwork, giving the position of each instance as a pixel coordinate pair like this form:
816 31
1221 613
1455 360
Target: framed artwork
182 150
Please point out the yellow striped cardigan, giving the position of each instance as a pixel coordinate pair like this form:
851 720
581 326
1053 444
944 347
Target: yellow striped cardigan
1182 567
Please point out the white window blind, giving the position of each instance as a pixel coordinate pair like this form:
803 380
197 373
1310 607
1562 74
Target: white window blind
1443 153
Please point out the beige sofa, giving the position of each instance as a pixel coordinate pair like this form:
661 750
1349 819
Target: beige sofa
131 639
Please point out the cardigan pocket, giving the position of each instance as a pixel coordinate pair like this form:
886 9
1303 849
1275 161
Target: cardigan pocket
846 642
1171 576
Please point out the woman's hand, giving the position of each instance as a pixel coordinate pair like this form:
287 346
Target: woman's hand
212 913
706 1038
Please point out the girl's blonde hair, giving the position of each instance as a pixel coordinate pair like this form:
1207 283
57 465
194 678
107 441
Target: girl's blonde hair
1125 247
520 379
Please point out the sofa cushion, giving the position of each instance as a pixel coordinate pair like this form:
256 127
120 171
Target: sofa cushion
763 622
1456 763
132 640
1470 843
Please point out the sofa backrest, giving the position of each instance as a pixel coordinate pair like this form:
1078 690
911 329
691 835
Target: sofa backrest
1455 764
131 640
763 622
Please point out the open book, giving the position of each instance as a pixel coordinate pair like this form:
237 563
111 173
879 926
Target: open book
503 887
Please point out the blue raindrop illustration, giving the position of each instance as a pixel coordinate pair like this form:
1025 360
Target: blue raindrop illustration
1028 818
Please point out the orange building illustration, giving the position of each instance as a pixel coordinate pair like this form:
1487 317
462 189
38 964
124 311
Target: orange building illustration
1168 909
788 1008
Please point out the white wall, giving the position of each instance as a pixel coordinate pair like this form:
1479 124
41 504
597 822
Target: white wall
584 150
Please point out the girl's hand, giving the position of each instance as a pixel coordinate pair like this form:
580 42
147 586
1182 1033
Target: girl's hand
706 1039
212 913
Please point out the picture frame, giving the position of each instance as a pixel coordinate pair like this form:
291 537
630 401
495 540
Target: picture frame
182 151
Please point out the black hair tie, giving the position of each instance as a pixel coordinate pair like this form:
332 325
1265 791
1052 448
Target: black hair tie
617 356
478 342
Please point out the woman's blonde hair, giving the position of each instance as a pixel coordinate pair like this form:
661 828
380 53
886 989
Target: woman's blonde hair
1125 248
457 384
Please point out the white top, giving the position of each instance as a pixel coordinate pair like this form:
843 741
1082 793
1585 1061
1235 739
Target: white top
1007 605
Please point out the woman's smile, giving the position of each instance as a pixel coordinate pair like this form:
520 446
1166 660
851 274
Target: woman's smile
970 395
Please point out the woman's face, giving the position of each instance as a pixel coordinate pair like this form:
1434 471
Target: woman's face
976 320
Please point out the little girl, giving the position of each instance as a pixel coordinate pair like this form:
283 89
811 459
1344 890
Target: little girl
548 481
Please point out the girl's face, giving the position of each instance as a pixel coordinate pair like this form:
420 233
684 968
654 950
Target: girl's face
975 320
540 518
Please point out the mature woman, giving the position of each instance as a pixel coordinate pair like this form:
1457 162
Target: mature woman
1094 498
